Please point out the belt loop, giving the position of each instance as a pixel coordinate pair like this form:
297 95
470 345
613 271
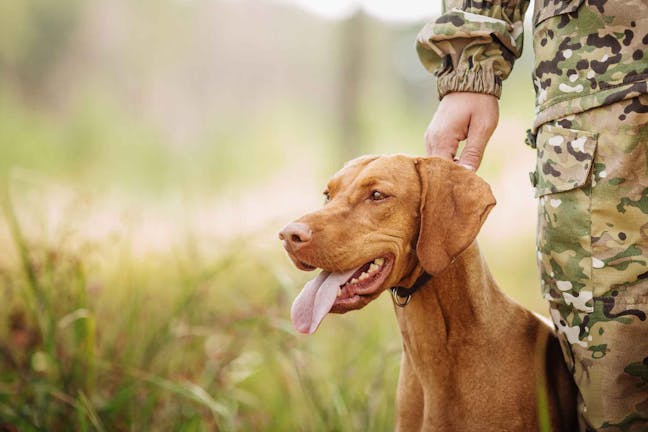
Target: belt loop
530 139
533 178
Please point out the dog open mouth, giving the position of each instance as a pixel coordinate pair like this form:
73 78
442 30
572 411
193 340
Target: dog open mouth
338 292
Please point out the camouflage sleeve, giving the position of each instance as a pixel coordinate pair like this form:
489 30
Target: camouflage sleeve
473 45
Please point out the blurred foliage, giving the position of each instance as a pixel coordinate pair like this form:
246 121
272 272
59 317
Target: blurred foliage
33 36
100 146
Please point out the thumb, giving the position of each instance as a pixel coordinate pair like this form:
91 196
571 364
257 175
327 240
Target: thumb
472 154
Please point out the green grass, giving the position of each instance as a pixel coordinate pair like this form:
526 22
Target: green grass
94 338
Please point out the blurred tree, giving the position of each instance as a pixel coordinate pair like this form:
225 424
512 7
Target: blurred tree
352 71
33 36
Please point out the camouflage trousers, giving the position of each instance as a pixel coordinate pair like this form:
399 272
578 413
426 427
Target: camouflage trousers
592 242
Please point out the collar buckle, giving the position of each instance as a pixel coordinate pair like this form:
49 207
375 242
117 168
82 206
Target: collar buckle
399 293
397 298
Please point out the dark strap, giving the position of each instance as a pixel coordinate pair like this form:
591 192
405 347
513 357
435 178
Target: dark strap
406 293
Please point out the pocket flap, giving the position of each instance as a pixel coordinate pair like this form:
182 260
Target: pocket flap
544 9
565 158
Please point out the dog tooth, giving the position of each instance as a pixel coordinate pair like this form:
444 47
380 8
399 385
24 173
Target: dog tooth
339 292
379 261
363 276
373 267
354 280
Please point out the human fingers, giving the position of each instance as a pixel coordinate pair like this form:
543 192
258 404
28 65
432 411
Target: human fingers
482 125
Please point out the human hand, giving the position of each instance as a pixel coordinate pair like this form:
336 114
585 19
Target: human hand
462 116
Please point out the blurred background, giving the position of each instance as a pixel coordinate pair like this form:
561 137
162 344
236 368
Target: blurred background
149 153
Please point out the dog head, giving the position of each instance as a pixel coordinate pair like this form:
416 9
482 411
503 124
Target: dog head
383 216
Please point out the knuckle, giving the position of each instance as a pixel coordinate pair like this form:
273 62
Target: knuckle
471 153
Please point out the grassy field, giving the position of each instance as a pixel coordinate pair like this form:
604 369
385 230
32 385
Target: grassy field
97 339
110 328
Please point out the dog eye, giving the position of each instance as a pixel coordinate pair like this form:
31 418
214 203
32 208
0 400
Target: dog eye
327 196
377 196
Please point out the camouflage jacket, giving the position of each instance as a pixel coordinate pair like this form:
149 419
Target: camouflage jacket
588 53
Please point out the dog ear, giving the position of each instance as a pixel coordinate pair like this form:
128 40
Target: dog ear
454 205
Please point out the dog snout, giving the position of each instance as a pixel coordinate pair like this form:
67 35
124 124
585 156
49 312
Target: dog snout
295 235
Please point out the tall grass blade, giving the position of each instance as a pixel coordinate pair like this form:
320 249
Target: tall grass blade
90 412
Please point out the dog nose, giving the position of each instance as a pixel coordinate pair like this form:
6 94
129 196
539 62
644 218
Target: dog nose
295 235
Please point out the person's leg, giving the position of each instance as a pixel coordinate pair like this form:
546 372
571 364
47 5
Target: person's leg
593 256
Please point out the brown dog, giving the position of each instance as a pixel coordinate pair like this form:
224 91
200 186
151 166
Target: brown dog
473 360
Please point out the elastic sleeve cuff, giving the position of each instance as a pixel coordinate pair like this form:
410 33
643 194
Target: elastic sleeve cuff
475 81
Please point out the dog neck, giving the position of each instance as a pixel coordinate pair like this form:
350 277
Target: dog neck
451 310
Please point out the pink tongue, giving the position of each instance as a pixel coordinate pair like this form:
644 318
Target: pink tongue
316 299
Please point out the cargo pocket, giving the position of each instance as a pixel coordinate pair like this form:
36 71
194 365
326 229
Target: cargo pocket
562 183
